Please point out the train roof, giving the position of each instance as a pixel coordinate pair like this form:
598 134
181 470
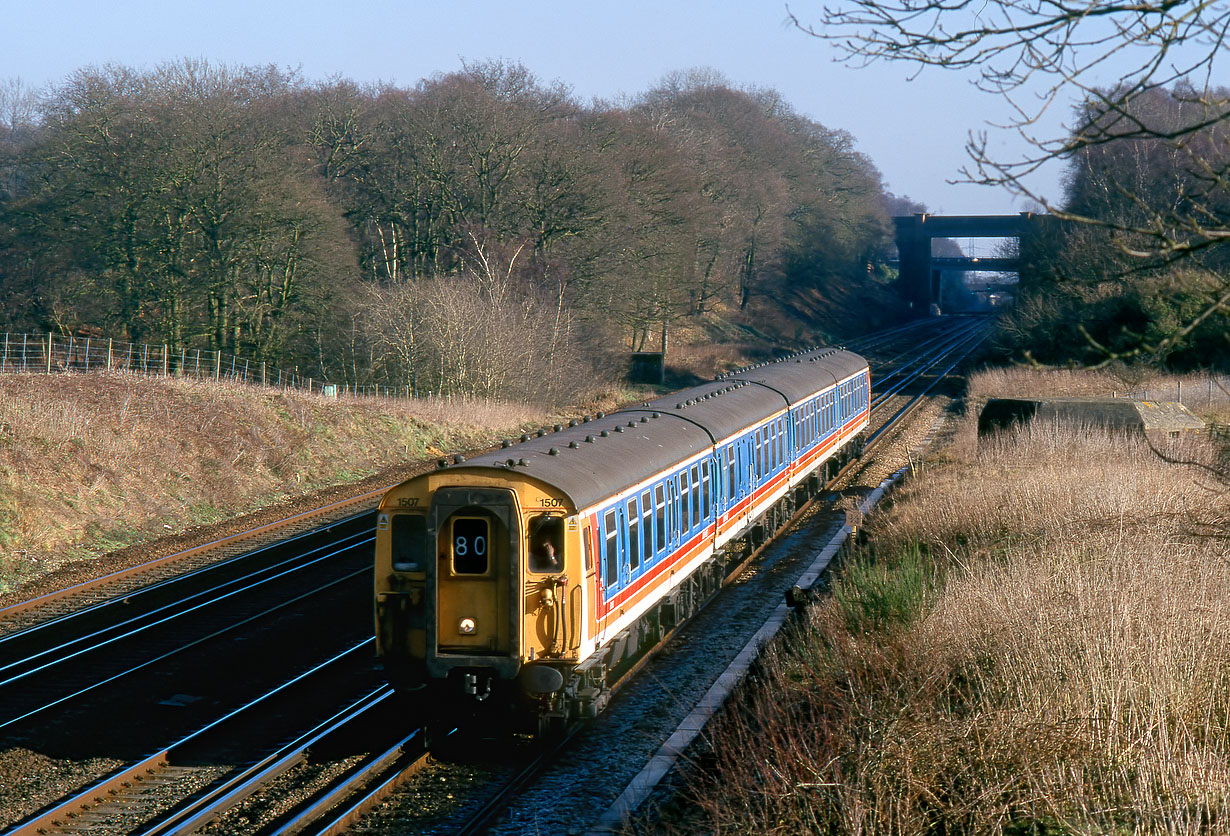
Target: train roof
740 398
796 377
600 457
603 456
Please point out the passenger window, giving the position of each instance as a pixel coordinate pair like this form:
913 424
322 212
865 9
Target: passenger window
704 481
634 539
685 512
409 536
646 526
695 496
471 541
659 499
611 575
546 543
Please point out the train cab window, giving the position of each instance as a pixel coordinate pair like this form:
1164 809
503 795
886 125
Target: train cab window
409 541
546 543
610 575
470 540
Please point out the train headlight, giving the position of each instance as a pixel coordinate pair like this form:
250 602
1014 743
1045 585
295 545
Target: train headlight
467 626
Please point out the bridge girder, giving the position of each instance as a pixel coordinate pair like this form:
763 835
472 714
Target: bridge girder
920 273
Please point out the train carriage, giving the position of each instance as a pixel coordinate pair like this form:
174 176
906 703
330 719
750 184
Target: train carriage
528 578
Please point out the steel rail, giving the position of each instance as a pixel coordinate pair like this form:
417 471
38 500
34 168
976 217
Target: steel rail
167 612
386 763
201 640
919 363
229 540
234 789
478 821
969 348
72 807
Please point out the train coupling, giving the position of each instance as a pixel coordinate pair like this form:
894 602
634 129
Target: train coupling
470 683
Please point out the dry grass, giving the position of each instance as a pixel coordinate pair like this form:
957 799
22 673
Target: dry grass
1206 395
90 462
1035 639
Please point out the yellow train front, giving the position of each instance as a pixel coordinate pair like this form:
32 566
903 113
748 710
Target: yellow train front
478 593
517 587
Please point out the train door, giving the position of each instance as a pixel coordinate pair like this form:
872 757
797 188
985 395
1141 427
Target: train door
477 576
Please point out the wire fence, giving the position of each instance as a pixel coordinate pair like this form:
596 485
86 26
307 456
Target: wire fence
1195 392
51 354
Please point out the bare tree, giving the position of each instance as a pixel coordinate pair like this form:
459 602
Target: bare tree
1042 54
18 106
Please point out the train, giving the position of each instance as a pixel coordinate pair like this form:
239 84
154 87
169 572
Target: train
521 584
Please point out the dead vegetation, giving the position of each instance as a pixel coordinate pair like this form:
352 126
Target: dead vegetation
93 462
1033 638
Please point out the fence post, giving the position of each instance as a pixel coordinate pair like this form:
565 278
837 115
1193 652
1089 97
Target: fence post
6 350
264 376
218 366
87 354
165 359
110 351
1180 395
245 371
50 345
25 359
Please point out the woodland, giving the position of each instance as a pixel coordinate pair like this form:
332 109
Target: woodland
482 233
486 233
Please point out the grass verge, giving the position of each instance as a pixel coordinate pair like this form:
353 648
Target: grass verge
1034 639
90 463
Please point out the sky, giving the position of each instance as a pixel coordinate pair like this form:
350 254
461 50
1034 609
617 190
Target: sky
914 131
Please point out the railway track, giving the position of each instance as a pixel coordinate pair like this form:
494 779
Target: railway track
900 385
66 659
197 779
280 536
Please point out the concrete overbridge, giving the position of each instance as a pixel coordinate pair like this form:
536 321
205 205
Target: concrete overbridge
920 272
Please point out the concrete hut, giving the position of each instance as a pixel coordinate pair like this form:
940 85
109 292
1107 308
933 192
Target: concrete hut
1161 422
